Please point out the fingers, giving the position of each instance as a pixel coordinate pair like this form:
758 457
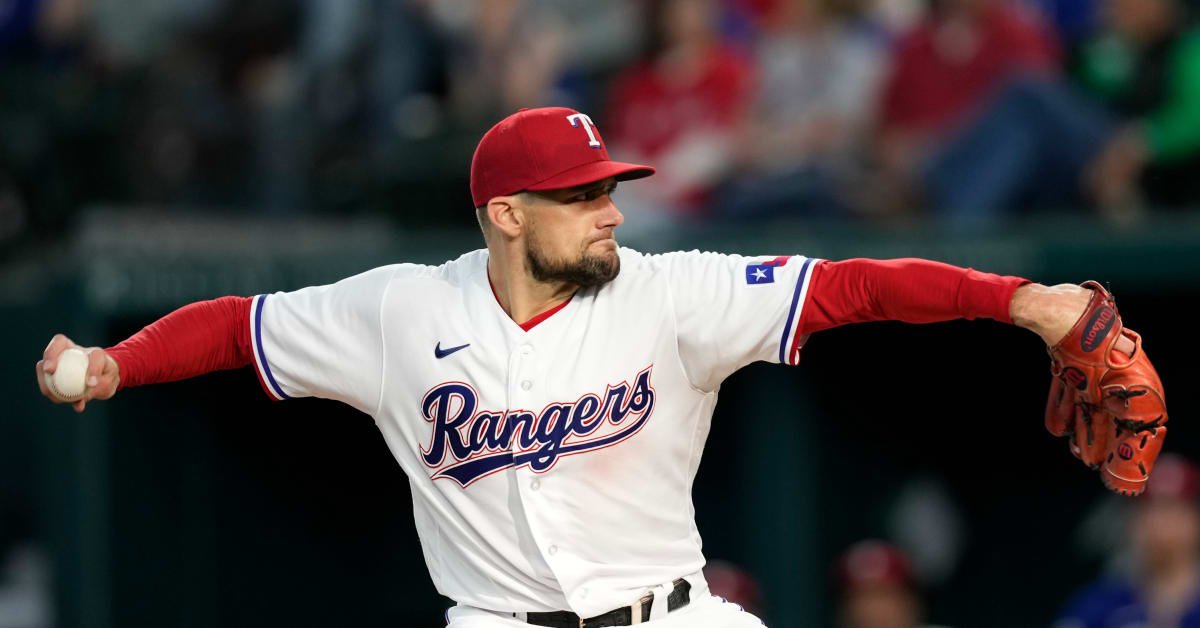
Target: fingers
58 344
1125 345
110 379
102 375
97 360
41 380
101 378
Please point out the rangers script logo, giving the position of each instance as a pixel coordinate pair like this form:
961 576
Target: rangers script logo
482 442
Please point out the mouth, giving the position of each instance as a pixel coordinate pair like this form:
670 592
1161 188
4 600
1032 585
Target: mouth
608 240
606 246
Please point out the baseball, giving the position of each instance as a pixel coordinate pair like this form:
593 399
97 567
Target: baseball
68 382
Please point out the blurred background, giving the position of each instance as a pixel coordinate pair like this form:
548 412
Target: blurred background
159 152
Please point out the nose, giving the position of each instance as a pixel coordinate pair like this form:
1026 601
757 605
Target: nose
611 216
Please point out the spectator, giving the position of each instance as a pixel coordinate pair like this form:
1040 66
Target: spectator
509 54
735 584
1074 20
1146 68
820 71
1040 139
944 70
896 17
1163 587
877 588
680 109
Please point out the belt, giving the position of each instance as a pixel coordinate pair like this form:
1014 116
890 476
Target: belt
635 613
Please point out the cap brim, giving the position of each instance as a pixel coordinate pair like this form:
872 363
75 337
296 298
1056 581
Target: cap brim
591 172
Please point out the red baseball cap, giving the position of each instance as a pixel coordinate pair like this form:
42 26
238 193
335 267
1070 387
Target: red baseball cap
1174 477
871 563
543 149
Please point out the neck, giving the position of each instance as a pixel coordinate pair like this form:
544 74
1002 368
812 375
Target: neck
521 296
684 60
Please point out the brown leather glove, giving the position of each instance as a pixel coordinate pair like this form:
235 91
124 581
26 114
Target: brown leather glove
1110 405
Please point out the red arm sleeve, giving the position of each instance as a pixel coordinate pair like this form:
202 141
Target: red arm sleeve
909 290
195 339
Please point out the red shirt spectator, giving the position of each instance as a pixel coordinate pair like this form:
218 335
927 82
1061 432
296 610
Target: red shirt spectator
651 109
951 62
681 121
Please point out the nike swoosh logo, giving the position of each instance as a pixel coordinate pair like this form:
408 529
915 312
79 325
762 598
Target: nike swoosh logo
440 353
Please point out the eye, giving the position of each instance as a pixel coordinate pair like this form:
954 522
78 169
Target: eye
593 194
604 191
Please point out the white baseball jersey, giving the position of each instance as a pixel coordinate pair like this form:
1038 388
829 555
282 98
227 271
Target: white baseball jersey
551 469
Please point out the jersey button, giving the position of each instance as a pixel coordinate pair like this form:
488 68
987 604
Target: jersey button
552 550
535 485
526 349
526 385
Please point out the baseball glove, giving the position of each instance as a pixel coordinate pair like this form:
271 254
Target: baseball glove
1109 405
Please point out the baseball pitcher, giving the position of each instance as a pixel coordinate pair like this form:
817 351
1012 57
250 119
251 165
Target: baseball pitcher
549 395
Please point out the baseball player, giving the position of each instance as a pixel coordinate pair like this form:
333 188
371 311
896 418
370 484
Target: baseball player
549 396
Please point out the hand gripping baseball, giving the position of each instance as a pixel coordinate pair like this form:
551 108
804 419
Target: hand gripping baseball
99 377
1109 405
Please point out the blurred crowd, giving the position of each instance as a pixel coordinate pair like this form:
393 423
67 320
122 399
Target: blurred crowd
1149 551
1148 548
968 110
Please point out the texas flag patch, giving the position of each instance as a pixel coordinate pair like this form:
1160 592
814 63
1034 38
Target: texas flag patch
764 272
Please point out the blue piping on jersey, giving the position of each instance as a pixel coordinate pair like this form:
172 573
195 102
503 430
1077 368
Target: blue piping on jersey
792 312
262 356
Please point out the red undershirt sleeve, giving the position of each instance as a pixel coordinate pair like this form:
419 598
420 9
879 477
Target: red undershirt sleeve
909 290
195 339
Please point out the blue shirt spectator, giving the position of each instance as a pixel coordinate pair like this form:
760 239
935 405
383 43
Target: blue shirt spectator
1118 604
1160 588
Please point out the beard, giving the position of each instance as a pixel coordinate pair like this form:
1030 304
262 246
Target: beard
584 270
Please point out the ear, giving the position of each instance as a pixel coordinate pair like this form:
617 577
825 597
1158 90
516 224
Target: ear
506 215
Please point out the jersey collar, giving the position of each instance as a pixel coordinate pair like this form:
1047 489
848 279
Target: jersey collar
533 322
